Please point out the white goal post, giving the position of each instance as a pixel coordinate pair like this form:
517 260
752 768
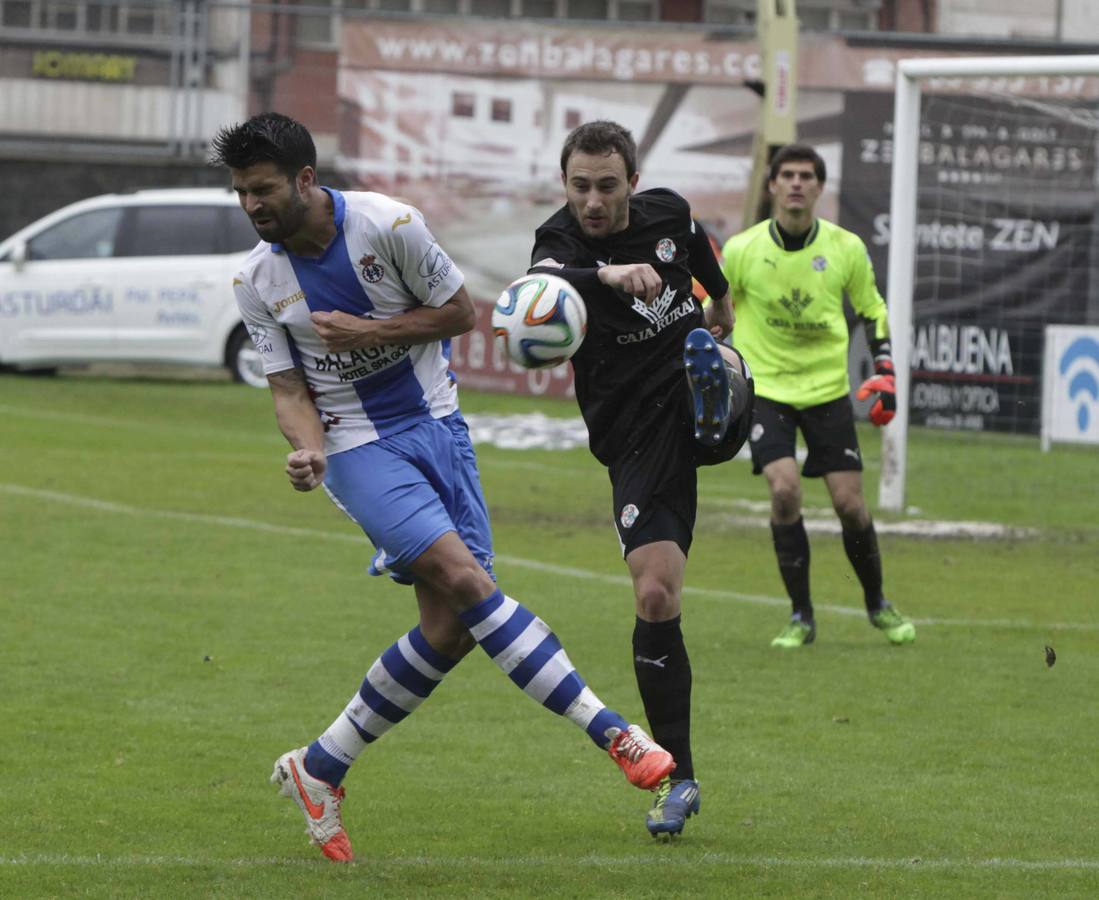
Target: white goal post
903 214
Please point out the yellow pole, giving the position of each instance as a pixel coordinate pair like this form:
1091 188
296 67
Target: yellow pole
777 26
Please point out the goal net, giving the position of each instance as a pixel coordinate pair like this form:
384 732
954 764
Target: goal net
994 236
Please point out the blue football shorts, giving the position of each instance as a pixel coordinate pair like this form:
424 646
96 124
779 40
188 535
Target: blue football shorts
409 489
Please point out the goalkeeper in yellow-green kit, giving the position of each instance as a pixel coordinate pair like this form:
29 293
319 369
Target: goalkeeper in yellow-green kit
787 277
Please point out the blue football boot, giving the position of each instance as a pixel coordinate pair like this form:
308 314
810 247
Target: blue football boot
676 802
708 380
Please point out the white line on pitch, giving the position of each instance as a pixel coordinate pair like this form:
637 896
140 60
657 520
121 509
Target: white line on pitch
110 506
663 860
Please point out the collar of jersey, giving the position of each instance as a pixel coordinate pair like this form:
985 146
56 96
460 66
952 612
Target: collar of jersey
339 210
772 229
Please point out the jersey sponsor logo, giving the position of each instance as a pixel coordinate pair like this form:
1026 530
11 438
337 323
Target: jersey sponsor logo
819 264
259 337
279 305
795 304
659 324
401 220
372 271
355 364
659 307
435 266
665 249
629 515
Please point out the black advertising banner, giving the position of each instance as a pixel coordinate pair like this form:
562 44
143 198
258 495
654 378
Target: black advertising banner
1005 225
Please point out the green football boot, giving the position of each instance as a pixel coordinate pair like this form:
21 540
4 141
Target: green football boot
796 634
897 628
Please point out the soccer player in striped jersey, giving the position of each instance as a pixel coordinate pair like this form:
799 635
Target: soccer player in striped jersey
788 276
351 304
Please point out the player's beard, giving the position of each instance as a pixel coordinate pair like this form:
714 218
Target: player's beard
283 223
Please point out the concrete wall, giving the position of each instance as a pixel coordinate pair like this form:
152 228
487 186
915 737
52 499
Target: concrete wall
1020 18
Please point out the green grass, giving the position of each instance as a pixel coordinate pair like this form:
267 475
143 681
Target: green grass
175 617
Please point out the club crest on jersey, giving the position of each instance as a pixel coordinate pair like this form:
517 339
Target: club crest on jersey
372 271
797 301
819 263
629 515
665 249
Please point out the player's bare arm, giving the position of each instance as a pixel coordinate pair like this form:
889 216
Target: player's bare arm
301 426
422 325
720 317
636 279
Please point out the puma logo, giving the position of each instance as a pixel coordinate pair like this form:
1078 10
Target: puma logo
659 663
401 220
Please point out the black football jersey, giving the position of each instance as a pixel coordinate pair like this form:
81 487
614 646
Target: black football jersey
629 370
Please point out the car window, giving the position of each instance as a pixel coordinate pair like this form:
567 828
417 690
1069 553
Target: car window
88 235
239 231
184 230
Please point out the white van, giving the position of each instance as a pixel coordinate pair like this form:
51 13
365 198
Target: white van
141 277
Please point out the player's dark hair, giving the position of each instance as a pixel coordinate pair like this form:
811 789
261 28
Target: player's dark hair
601 138
797 153
267 137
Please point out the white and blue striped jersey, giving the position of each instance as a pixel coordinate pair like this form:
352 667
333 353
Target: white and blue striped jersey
382 262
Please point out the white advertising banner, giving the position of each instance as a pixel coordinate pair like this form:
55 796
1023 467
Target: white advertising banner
1070 385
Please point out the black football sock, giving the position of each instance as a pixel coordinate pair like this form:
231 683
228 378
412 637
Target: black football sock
862 550
664 679
792 550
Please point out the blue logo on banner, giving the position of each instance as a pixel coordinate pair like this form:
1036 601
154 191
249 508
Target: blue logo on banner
1084 382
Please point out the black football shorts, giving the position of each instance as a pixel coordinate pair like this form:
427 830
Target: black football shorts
828 430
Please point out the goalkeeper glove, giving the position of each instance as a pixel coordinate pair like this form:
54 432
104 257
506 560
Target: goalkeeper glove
884 385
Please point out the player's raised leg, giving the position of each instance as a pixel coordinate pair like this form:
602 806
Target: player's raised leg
526 649
717 377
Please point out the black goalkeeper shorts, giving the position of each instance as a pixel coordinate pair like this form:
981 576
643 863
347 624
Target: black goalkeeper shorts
828 429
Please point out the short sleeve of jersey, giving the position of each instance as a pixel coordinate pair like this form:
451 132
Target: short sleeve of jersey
271 340
425 267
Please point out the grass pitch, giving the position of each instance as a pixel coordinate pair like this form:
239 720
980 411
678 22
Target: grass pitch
174 617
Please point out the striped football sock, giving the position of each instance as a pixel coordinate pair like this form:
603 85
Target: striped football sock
399 681
529 653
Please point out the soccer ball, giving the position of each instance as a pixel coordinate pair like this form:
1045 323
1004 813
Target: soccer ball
541 320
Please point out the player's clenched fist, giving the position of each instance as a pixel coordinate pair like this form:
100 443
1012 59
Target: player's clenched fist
342 331
636 279
306 469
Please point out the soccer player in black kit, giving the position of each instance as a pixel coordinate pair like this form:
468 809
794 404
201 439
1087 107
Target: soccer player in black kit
660 396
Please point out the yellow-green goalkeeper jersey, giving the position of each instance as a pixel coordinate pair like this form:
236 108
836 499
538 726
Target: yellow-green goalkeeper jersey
790 324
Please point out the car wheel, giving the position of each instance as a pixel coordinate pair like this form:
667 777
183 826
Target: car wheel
243 360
